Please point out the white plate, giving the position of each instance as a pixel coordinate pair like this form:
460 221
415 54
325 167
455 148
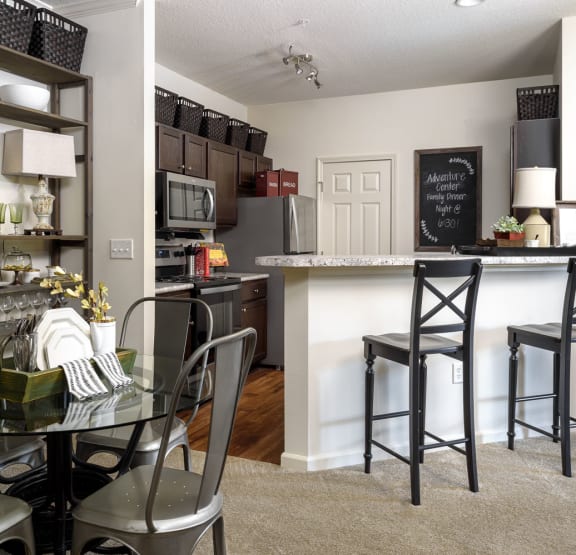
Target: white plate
57 318
65 344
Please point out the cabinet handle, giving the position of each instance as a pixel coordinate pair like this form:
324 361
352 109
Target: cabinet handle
243 309
183 167
256 290
189 168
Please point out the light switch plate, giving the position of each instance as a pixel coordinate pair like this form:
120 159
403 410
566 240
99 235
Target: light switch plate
121 248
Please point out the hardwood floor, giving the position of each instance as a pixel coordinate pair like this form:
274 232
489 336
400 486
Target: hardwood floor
259 429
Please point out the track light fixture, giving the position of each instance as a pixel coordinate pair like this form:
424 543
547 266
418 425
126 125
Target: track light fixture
300 60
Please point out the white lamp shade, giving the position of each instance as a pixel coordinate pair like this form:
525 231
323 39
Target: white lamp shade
28 152
535 188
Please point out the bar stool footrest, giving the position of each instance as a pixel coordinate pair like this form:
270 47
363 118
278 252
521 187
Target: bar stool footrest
537 429
444 443
390 415
391 451
535 397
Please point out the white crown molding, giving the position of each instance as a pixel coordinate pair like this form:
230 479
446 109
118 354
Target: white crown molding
79 8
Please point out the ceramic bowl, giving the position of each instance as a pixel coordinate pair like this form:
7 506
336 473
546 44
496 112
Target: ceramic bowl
29 96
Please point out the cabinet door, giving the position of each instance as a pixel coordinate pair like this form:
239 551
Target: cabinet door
194 155
264 164
223 169
254 314
169 151
246 173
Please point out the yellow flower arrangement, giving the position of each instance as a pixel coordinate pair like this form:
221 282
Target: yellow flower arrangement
94 301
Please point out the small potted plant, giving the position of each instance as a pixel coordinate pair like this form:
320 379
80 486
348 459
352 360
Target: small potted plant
94 302
508 229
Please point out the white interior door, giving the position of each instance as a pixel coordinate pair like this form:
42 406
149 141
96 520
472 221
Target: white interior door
355 205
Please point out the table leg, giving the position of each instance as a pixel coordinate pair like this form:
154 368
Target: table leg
59 457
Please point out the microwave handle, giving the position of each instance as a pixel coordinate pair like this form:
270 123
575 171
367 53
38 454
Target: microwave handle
208 211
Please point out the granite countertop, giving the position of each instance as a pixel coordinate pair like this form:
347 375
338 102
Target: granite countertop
359 261
163 287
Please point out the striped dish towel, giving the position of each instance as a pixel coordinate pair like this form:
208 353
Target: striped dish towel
110 366
83 382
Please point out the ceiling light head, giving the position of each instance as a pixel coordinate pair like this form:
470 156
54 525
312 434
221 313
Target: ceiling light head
306 58
299 70
286 60
311 75
317 83
467 3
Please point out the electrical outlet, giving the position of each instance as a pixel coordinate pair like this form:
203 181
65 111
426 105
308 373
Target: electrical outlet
457 372
121 248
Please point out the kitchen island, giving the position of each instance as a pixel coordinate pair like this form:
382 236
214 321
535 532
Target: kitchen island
332 301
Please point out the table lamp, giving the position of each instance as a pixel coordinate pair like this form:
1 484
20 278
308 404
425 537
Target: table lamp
41 154
535 188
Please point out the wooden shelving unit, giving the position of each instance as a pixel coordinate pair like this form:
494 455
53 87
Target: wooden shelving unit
57 78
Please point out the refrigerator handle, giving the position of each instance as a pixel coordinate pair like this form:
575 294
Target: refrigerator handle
294 223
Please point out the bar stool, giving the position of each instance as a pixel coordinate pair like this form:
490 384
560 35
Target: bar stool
411 349
556 338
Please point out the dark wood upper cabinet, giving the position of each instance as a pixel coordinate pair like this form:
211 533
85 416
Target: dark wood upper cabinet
180 152
223 169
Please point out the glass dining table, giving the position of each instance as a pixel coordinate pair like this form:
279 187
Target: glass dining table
53 491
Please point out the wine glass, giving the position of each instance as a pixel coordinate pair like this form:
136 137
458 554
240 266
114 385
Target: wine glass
7 306
16 209
22 303
38 301
3 206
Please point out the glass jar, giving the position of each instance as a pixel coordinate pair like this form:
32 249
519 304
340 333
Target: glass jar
17 261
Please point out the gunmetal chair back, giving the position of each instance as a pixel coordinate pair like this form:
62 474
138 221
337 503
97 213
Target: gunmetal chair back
156 509
172 325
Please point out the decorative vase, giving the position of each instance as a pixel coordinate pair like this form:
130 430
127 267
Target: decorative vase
103 336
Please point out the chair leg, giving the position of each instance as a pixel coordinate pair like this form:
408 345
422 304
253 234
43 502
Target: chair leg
556 400
469 433
564 407
414 424
218 536
422 410
512 386
368 412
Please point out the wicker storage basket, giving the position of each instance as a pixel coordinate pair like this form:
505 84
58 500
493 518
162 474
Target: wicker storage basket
237 133
256 140
188 115
57 40
16 22
165 102
537 102
214 125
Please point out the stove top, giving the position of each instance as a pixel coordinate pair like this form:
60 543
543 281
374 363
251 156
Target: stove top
200 281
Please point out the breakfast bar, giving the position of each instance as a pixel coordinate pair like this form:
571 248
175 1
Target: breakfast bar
332 301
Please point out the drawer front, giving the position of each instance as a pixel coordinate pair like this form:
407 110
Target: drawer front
251 290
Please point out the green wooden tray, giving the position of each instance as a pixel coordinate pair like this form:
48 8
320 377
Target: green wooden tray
23 387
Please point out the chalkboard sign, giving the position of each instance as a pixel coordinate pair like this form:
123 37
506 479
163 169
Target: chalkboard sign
448 198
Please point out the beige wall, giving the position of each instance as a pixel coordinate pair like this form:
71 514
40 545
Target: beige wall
398 123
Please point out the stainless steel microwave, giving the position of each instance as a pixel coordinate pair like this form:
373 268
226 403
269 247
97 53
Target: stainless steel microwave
184 202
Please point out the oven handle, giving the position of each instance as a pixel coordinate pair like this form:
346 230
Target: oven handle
203 291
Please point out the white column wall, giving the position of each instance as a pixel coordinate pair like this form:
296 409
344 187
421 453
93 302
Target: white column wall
568 107
119 55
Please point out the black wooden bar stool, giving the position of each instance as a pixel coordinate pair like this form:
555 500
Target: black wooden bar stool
556 338
411 349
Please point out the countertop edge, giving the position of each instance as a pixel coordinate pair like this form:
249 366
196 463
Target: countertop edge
174 287
366 261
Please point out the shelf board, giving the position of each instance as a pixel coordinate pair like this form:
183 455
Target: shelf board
33 68
61 238
37 117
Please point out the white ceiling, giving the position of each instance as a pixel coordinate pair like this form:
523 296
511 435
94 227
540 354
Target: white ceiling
235 47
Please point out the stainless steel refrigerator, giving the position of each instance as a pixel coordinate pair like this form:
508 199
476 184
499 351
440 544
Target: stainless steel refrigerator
271 226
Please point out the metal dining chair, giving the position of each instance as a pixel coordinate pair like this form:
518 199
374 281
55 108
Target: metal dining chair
556 338
16 524
156 509
435 313
172 324
20 450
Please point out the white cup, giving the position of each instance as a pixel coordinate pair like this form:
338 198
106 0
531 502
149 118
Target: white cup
531 243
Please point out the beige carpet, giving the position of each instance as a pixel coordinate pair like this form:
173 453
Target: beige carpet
524 506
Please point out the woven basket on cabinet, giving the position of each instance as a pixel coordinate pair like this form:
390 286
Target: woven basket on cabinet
214 125
237 133
537 102
165 102
16 22
188 115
